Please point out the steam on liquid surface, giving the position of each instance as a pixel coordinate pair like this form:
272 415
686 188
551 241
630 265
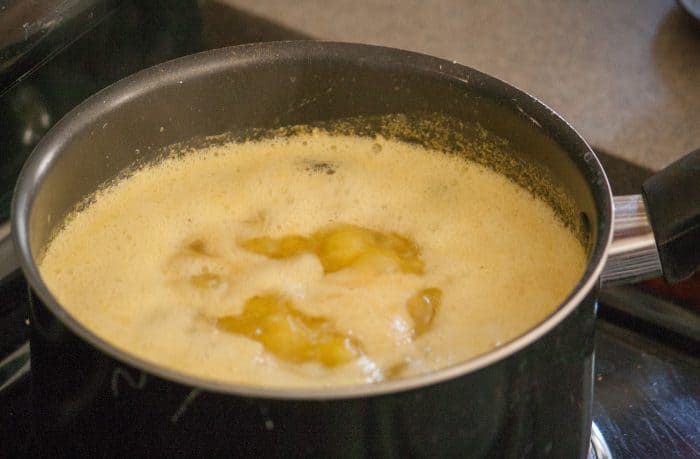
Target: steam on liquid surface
312 260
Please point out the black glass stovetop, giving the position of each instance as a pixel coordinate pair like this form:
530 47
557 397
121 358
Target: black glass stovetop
647 369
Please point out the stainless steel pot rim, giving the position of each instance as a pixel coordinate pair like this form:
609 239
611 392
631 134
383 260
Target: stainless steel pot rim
39 164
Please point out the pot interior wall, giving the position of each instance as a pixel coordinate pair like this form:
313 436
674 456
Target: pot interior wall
242 90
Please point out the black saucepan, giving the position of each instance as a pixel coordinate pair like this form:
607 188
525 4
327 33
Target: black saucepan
529 398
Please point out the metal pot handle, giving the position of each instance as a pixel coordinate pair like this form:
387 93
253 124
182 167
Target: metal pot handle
658 232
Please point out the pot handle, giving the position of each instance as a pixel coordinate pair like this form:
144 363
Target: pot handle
658 232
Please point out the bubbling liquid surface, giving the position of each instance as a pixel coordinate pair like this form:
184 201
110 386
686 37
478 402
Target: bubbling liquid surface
312 260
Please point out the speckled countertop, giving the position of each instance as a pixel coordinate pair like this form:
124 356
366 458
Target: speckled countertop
626 74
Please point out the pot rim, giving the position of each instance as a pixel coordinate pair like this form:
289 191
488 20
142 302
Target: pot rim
39 165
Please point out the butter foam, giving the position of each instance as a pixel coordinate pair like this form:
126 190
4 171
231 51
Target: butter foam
500 257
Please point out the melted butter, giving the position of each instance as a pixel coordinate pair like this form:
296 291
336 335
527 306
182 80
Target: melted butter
290 334
344 246
400 261
295 337
422 308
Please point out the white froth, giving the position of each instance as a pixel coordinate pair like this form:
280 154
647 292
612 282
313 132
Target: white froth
501 258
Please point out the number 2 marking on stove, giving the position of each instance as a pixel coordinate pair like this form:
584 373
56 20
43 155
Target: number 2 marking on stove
122 373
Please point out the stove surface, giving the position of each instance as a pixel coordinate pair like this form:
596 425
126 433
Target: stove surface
647 400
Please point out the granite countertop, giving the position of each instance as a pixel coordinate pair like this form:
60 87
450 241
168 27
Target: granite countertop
626 74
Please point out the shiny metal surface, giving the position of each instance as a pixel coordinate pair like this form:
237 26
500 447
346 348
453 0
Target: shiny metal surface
14 367
8 260
647 396
56 53
692 7
599 447
642 306
632 256
32 32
